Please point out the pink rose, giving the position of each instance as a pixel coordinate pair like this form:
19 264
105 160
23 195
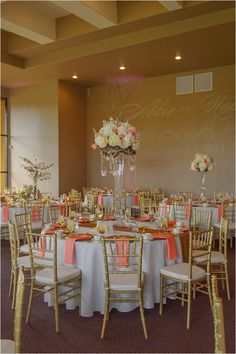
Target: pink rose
94 146
122 136
131 131
115 130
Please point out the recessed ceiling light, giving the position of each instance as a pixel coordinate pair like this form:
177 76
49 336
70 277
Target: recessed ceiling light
75 76
122 67
178 57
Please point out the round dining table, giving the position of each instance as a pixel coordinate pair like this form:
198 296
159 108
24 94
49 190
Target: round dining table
88 257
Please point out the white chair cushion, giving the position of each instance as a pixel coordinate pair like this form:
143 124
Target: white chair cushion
217 257
24 249
23 261
124 281
199 256
63 274
180 271
231 225
7 346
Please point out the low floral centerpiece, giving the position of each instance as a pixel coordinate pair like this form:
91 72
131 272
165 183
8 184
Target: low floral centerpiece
116 137
37 171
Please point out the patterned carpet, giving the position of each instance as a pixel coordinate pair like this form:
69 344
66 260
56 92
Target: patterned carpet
167 333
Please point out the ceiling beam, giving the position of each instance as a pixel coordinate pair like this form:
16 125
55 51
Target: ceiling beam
172 5
13 60
20 18
132 38
101 14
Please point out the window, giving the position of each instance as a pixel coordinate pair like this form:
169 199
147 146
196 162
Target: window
4 144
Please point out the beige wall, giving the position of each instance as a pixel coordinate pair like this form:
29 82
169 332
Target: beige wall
34 131
72 136
173 128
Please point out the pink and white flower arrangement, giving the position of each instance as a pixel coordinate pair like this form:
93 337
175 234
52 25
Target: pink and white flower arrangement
202 163
117 135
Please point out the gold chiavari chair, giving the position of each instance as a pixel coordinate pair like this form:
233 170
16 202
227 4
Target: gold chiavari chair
36 210
229 213
54 213
147 206
23 224
218 316
62 282
182 212
219 258
10 346
123 273
185 195
189 275
108 204
91 203
157 197
16 263
74 194
201 218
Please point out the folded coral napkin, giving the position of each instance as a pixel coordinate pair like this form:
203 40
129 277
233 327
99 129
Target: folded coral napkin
70 247
171 222
58 226
220 211
109 217
49 232
35 213
5 212
188 211
83 219
144 218
123 251
42 245
170 244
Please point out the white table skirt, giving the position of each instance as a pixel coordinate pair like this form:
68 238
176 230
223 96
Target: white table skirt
89 259
21 210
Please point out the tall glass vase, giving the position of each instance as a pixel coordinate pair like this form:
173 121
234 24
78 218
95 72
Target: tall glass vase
118 173
203 185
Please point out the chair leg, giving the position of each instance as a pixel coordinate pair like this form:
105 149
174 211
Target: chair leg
183 294
30 302
142 313
105 317
56 308
222 278
11 284
231 242
209 292
15 276
161 294
194 291
227 280
189 304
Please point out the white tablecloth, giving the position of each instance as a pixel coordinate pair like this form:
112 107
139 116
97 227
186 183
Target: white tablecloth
21 210
89 259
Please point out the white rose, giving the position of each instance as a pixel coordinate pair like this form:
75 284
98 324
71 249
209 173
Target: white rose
101 141
122 129
114 140
135 145
193 166
108 129
202 166
127 141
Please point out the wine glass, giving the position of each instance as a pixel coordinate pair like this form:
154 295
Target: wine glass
141 228
101 229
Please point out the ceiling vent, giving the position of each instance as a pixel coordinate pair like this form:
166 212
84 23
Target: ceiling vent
184 85
203 82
